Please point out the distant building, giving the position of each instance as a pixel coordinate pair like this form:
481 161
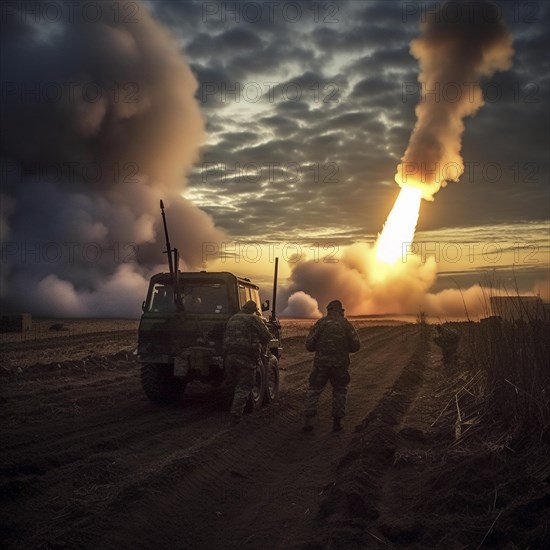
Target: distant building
518 308
16 322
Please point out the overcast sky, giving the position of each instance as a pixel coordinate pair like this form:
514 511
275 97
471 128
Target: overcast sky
278 122
328 91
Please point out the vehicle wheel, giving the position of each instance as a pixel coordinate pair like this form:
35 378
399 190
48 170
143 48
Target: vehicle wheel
159 383
258 390
272 380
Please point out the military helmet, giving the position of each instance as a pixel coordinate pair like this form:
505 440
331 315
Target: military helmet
335 305
250 306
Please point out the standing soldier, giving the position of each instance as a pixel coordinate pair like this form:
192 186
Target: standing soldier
245 336
332 338
447 339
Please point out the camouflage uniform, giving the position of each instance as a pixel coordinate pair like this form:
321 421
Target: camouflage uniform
245 335
447 339
332 338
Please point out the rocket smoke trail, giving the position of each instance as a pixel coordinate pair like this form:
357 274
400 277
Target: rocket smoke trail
460 44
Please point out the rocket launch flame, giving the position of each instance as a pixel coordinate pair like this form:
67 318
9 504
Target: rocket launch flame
449 53
457 52
399 227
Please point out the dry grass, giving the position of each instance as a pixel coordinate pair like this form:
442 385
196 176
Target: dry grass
514 357
41 328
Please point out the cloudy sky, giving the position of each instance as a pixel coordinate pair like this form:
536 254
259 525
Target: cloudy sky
273 128
309 107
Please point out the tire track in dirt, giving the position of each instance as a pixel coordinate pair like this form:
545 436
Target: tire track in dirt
121 455
352 504
265 469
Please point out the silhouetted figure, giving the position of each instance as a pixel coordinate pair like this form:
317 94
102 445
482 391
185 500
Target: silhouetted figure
245 336
447 339
332 338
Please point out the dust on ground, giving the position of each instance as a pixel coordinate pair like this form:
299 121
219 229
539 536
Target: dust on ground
88 462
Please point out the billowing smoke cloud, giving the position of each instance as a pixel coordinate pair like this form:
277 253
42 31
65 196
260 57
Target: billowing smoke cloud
301 305
99 122
357 281
460 44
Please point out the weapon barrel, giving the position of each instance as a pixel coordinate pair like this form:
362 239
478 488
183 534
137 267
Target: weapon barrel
168 247
274 301
173 262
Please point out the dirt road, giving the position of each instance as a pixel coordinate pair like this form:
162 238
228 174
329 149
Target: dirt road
87 461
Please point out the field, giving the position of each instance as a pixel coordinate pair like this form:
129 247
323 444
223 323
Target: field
88 462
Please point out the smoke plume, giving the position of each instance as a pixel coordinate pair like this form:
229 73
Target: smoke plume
99 122
405 289
460 44
355 280
300 305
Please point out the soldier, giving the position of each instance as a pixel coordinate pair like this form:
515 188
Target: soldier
245 336
332 338
447 339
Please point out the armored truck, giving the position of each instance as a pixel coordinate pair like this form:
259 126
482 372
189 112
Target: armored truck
182 328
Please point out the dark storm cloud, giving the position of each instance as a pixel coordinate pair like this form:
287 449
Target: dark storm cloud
351 131
280 124
184 17
313 87
375 85
381 61
246 65
235 140
246 48
211 79
297 109
336 40
359 90
84 164
366 55
349 120
236 39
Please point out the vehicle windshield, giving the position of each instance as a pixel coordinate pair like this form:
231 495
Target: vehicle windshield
201 298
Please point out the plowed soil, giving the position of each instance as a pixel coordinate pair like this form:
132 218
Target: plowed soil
88 462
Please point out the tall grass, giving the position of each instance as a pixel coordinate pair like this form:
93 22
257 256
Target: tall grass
513 352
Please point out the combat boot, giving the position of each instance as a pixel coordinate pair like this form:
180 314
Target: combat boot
308 424
337 424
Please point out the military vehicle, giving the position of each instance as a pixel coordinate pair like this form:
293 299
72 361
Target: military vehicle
182 328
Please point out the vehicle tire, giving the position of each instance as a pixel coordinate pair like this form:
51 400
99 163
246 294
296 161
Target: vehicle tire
159 383
258 390
272 380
